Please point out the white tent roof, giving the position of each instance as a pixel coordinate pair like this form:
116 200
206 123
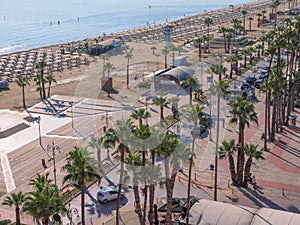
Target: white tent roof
208 212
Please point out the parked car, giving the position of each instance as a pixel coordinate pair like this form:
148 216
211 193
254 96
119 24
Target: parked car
245 86
262 77
107 194
250 80
199 130
258 83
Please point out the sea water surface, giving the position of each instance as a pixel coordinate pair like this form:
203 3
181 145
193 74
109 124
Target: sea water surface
26 24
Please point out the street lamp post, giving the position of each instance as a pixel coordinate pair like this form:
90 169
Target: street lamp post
38 120
53 149
71 104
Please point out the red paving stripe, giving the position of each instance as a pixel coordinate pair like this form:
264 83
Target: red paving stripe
277 185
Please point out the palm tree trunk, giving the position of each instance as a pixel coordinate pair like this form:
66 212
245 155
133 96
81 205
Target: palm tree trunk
23 95
127 75
43 84
161 113
190 178
232 169
224 38
120 188
191 94
82 201
240 158
137 199
166 63
152 189
145 202
18 220
49 89
145 184
247 170
230 75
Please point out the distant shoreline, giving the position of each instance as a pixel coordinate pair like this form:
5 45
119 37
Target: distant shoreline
116 34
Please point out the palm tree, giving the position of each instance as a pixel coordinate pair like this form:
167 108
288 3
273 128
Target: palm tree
191 114
120 134
179 49
258 48
153 48
108 66
50 79
128 55
190 82
244 12
231 59
162 103
165 51
16 200
243 112
263 12
22 82
199 41
140 114
275 5
250 21
37 80
173 48
223 31
219 89
133 163
258 19
97 143
218 69
40 66
245 52
227 150
208 21
80 167
104 58
44 202
252 152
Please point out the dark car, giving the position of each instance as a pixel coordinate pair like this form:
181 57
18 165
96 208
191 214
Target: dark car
258 83
199 130
250 80
262 77
245 86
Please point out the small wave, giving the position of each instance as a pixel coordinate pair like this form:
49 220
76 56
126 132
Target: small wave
11 48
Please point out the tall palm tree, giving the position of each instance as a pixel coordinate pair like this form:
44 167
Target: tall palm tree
200 41
250 23
128 55
243 113
140 114
173 49
258 19
44 202
104 57
274 6
179 49
190 82
41 66
258 48
218 69
162 103
22 82
97 143
252 153
231 59
191 114
227 150
50 78
38 82
80 167
16 200
208 21
165 51
133 163
219 89
244 12
121 135
109 67
223 30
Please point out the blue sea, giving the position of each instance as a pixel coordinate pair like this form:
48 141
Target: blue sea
27 24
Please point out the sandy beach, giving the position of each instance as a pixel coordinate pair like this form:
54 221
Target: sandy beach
140 41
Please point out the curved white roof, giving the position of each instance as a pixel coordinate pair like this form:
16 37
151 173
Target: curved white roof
208 212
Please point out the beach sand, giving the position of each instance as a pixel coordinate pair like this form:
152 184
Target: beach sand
68 80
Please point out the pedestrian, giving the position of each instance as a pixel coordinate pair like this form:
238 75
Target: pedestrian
262 136
43 163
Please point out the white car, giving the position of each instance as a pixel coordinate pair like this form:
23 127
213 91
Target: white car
107 194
